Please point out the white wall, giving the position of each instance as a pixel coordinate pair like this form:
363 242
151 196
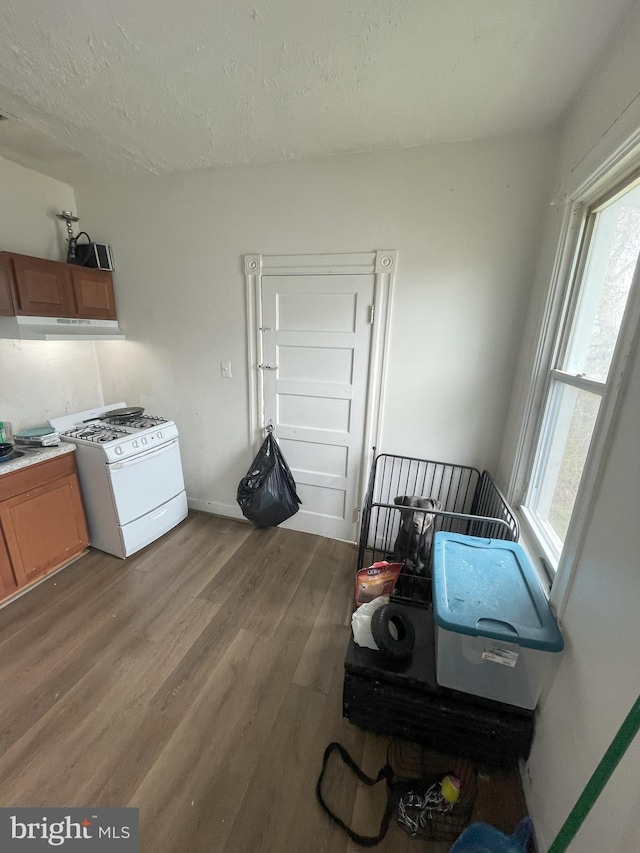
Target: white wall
465 218
40 379
598 679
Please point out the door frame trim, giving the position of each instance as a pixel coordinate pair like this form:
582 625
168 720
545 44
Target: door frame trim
382 265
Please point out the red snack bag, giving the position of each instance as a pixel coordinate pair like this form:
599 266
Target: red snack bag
378 579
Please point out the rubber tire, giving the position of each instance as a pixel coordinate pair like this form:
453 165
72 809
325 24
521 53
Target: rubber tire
384 639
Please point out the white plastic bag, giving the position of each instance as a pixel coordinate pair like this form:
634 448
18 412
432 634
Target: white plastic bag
361 622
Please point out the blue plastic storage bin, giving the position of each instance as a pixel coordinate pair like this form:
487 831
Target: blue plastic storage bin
483 838
495 631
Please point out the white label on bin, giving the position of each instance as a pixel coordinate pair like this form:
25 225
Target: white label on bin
501 656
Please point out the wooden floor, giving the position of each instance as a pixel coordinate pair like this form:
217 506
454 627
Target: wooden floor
200 681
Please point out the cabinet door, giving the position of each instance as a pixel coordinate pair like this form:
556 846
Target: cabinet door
44 528
93 291
8 582
6 277
43 288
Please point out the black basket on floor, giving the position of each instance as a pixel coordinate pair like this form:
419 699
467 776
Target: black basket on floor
412 761
446 826
468 502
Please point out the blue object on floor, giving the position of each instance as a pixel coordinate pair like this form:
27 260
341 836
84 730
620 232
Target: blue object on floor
482 838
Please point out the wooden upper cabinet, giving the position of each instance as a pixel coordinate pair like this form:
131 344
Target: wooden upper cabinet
93 292
40 288
6 278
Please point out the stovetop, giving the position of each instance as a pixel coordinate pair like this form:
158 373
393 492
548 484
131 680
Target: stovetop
118 437
113 429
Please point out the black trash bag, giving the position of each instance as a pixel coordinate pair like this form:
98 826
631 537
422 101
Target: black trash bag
267 493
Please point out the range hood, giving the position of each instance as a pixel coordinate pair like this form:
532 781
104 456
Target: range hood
59 329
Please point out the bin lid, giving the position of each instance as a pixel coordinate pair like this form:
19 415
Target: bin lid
488 588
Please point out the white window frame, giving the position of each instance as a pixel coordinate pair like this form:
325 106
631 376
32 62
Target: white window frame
606 183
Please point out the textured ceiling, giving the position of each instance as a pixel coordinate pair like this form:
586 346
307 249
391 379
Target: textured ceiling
156 85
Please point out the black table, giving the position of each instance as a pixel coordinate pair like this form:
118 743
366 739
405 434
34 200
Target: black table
403 699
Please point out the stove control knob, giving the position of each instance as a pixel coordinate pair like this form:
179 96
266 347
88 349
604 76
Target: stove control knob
159 434
119 451
143 440
135 443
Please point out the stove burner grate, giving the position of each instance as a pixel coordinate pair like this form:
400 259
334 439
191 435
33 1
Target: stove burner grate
97 433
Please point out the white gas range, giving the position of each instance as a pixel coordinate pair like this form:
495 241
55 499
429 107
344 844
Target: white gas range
130 474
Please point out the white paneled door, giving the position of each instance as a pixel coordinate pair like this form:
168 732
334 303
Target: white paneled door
316 344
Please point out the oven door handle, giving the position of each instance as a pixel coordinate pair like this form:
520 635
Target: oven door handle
142 457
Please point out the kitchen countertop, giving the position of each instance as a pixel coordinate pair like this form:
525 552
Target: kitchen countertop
32 457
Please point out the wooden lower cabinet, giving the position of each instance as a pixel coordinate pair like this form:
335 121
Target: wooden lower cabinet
42 525
8 583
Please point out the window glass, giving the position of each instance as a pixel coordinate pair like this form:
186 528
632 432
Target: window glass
609 270
572 415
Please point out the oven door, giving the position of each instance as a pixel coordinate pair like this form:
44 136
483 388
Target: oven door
144 482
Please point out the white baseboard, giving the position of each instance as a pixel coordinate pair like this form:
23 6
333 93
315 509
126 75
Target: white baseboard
216 508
